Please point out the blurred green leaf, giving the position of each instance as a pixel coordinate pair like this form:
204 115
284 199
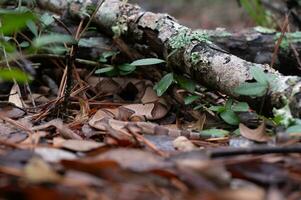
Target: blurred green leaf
190 99
52 39
46 19
13 20
104 70
147 61
230 117
14 73
251 89
7 46
217 109
294 129
240 107
127 67
107 54
32 27
259 75
185 83
164 84
214 133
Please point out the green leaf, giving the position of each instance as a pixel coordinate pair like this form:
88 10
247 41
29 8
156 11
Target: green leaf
185 83
127 67
32 27
105 55
230 117
52 39
7 46
147 61
217 109
14 73
214 133
104 70
24 44
57 49
190 99
228 104
13 20
164 84
294 129
259 75
251 89
46 19
241 107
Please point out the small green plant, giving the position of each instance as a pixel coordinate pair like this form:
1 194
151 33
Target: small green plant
126 68
258 88
227 111
171 78
257 12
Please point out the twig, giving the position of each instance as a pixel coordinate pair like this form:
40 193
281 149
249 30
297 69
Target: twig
225 152
283 31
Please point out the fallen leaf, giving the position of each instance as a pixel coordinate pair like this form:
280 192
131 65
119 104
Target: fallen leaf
64 130
38 171
9 110
54 155
14 96
81 145
258 134
183 144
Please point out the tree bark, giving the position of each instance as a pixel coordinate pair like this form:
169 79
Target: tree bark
186 51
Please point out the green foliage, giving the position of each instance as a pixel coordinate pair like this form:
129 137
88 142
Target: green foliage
53 38
294 37
164 84
105 55
147 61
185 83
258 88
214 133
14 20
14 74
257 12
104 70
294 129
126 68
189 99
227 112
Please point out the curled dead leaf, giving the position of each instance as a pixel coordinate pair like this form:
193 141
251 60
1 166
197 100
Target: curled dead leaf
258 134
183 144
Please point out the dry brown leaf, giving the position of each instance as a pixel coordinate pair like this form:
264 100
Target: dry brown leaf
81 145
258 134
183 144
14 96
54 155
64 130
131 159
10 110
9 133
38 171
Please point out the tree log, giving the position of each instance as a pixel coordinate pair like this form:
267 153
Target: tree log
186 51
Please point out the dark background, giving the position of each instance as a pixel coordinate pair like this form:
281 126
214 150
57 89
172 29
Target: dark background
201 13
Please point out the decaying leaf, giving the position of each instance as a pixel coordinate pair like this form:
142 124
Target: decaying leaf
183 144
38 171
81 145
14 96
54 155
59 125
258 134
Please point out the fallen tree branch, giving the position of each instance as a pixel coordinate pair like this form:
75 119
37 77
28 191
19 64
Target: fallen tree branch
186 51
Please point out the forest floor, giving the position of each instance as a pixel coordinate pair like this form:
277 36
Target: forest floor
123 129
